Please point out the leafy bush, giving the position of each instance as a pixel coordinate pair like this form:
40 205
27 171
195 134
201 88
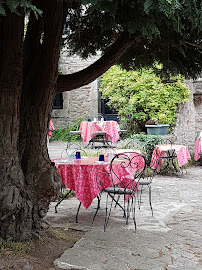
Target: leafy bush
142 94
63 135
145 143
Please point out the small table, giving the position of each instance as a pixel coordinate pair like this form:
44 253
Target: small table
80 176
88 130
181 151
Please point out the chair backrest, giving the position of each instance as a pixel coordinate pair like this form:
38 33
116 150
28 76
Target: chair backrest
99 117
170 153
125 124
98 127
82 151
127 163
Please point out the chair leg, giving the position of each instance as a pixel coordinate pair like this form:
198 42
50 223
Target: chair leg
140 199
108 213
128 210
78 212
134 219
150 200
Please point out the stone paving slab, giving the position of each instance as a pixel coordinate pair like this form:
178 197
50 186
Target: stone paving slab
171 239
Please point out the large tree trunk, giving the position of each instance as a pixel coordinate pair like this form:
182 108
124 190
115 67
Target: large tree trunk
28 180
11 175
28 83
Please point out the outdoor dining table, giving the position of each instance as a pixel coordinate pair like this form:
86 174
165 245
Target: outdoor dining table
182 155
88 130
80 176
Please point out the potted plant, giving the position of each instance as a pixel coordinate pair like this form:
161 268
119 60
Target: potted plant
155 128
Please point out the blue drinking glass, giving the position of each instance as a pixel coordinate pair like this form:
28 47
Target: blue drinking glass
101 158
78 155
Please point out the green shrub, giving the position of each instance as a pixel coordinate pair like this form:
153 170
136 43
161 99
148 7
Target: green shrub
63 135
144 142
143 95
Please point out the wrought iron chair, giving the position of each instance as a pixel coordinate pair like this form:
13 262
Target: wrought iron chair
101 116
169 158
69 136
120 185
99 133
69 192
145 181
124 124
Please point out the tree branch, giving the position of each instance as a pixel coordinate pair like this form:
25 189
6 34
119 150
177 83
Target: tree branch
193 44
89 74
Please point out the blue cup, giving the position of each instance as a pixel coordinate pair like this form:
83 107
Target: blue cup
101 158
89 120
78 155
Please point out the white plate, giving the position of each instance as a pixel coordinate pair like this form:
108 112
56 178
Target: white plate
102 162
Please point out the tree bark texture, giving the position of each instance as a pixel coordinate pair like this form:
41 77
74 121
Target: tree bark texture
28 84
28 180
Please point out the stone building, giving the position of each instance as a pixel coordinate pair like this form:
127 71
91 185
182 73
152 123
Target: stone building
189 116
85 102
78 104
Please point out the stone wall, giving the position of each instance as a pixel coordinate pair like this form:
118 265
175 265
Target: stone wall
189 117
78 104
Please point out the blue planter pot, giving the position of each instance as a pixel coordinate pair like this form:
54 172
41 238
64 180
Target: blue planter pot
161 129
153 129
164 129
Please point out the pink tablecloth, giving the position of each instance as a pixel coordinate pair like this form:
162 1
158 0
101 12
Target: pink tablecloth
181 151
50 129
111 128
197 150
80 176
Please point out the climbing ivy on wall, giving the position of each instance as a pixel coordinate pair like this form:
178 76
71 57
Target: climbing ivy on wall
142 94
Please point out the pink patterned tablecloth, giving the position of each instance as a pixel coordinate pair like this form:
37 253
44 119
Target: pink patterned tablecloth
111 128
181 151
80 176
197 149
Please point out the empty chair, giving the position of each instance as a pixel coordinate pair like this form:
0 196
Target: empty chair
99 133
122 165
70 134
169 157
124 123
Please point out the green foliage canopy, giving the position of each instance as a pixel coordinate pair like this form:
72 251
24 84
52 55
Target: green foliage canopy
170 32
14 5
142 94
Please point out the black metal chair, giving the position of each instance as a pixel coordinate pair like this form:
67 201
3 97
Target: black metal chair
101 116
69 191
69 137
120 186
145 181
99 133
124 124
169 158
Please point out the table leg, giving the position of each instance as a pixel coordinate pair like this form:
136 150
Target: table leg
64 197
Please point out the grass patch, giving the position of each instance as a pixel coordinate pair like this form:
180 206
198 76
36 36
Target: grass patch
61 235
14 247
